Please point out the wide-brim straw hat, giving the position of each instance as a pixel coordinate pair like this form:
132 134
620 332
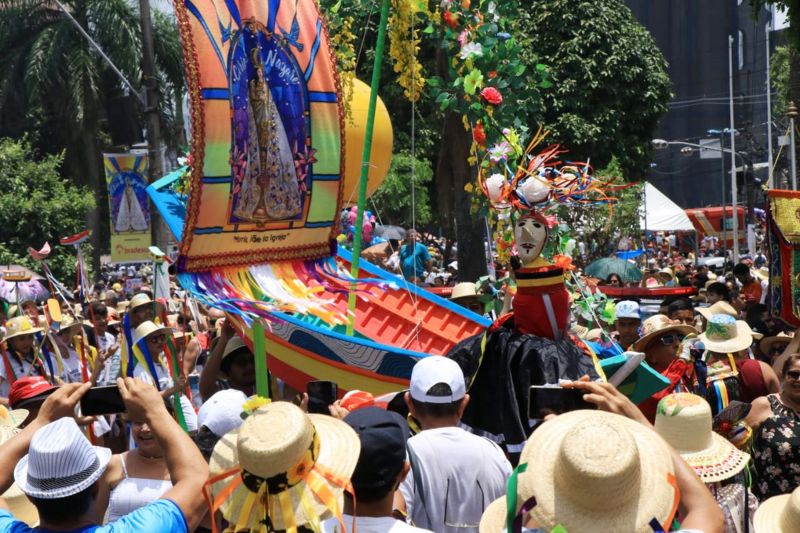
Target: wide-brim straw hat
142 299
12 418
725 334
767 342
20 325
234 344
464 290
593 471
665 274
779 514
149 328
20 506
658 325
282 450
684 421
718 308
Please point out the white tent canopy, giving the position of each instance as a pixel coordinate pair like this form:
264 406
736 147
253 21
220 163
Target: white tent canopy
662 214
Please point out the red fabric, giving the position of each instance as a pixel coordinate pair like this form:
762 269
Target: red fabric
751 380
530 311
679 372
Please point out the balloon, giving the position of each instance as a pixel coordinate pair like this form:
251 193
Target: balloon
534 190
355 134
495 185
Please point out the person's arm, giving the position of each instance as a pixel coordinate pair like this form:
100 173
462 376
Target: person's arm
58 405
110 478
210 375
187 468
698 507
770 378
760 410
190 356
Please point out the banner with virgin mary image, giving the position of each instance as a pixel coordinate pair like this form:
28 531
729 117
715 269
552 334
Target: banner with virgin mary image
267 133
129 210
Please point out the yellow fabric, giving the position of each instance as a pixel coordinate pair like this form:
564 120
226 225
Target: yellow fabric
786 212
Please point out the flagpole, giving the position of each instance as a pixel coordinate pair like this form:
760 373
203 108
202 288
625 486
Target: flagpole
365 158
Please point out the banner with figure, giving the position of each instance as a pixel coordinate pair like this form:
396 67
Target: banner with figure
129 210
265 182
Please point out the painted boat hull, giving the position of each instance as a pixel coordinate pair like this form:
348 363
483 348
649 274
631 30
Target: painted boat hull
395 326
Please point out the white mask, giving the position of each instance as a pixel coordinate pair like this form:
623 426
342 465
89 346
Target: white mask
531 236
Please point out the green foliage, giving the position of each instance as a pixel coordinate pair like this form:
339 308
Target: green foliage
38 205
779 76
393 199
600 226
792 8
609 79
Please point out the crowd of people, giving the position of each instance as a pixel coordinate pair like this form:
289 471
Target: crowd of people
716 448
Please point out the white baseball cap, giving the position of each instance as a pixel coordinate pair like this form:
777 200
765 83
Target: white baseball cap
222 412
435 370
628 309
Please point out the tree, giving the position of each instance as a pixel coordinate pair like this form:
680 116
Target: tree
56 88
393 199
38 205
609 79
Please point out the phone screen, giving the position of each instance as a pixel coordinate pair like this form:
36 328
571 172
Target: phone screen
543 401
321 394
102 401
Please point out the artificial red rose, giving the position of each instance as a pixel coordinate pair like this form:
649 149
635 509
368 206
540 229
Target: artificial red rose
492 96
479 134
451 19
492 74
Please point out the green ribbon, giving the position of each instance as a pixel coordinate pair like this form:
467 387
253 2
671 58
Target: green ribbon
511 496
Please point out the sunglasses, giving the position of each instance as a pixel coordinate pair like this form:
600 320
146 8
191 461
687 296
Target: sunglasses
159 339
794 374
671 339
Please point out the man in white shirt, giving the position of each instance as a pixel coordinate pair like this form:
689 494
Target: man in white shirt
381 467
454 474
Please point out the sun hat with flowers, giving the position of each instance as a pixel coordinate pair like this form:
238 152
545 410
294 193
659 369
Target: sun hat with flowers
282 469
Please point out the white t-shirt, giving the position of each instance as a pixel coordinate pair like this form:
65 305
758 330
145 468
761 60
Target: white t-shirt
19 369
71 367
461 475
370 524
165 381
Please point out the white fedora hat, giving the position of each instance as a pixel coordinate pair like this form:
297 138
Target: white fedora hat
60 462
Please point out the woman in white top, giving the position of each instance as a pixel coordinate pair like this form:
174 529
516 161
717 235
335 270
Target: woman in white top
134 478
155 338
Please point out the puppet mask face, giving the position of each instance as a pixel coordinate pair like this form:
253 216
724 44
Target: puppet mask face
531 236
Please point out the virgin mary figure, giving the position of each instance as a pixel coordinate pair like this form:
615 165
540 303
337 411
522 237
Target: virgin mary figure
269 190
130 216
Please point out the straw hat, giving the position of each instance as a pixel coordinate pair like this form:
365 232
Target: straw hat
779 514
122 306
719 308
579 331
725 334
148 328
593 471
658 325
277 452
142 299
67 322
465 289
19 505
665 275
767 342
12 419
684 421
20 325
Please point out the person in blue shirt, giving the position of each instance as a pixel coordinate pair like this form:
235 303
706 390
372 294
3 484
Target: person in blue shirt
414 258
57 468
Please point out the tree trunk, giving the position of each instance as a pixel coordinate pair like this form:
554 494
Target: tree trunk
98 217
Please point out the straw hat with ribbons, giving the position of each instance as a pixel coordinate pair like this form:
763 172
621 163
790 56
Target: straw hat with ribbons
684 421
13 418
779 514
20 325
589 471
282 469
725 334
20 506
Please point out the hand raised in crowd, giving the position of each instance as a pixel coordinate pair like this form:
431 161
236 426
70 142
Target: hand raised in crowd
607 398
141 399
62 403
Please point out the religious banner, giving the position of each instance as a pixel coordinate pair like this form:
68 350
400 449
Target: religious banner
129 210
267 129
784 254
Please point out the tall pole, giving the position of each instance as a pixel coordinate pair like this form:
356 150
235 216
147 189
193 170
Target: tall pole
734 192
150 82
724 198
365 157
769 113
792 112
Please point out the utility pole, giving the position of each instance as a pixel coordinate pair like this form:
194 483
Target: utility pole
792 113
724 196
150 82
769 114
734 202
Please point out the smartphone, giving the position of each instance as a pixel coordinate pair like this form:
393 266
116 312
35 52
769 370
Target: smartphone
102 401
547 400
321 394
